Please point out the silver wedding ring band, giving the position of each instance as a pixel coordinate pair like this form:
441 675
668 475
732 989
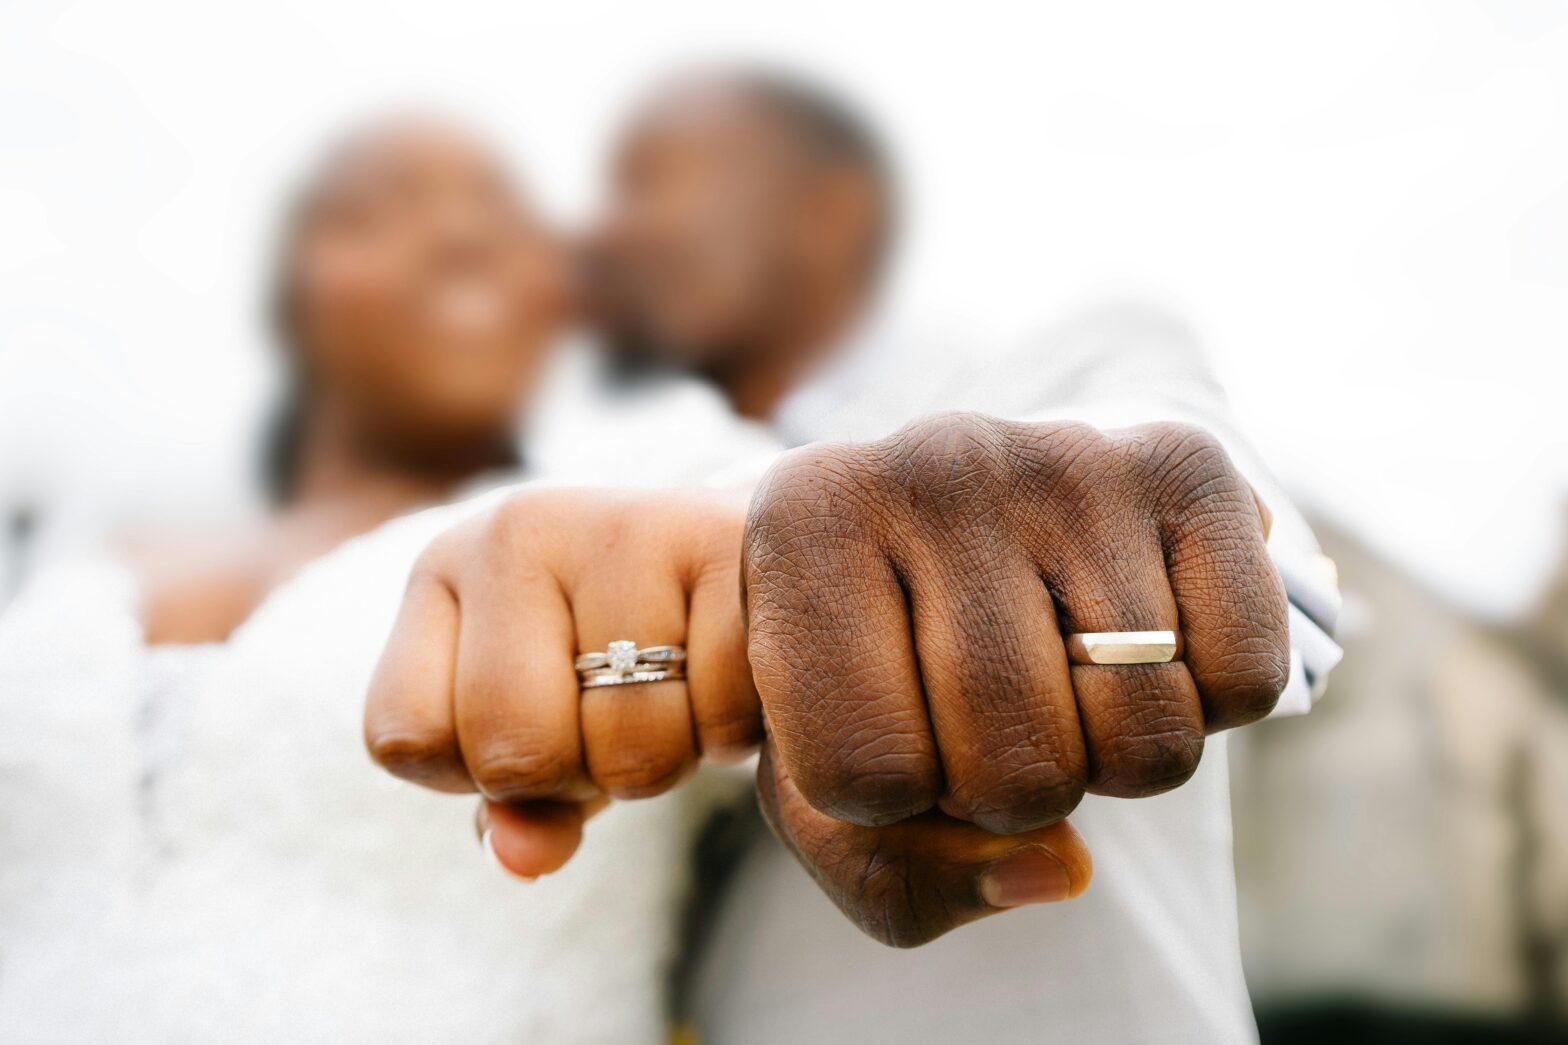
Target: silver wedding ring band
628 678
624 664
1121 647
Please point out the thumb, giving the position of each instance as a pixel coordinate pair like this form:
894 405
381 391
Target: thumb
910 882
529 839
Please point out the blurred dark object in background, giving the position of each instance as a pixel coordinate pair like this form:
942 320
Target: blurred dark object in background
1356 1023
15 542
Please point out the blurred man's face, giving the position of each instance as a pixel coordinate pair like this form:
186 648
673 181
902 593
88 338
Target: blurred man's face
695 254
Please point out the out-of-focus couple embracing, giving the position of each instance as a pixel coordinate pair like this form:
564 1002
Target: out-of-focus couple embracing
982 610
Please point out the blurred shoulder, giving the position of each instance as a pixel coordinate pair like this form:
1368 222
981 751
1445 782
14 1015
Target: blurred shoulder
196 583
1118 346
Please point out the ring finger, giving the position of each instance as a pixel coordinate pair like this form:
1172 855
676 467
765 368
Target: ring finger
1143 723
638 738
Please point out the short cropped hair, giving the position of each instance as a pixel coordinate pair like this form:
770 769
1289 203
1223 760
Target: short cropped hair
830 128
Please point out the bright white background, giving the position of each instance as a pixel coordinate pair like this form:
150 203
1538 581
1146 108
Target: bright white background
1363 207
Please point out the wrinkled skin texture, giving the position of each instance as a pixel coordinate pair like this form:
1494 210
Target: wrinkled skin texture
906 603
902 618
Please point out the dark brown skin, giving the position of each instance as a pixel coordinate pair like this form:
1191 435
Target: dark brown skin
905 603
906 606
728 248
940 569
423 295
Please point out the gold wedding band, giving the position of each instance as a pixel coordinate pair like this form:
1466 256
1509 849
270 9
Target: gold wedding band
1121 647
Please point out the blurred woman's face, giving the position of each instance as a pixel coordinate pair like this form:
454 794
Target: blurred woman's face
424 291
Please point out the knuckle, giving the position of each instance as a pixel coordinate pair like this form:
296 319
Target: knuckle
505 774
639 771
515 515
1164 441
406 750
1184 467
876 781
734 729
710 528
499 538
1034 794
806 493
944 465
807 534
1052 458
1254 677
1240 637
430 568
1056 476
1160 754
528 519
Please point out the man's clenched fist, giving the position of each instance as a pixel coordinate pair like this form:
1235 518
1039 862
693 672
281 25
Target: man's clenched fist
907 602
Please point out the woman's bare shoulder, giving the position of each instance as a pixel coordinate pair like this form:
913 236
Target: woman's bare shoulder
198 583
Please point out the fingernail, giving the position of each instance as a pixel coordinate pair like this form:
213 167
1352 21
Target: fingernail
1028 876
488 843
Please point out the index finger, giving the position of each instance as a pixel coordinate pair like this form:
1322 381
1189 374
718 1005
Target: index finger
409 728
517 694
831 650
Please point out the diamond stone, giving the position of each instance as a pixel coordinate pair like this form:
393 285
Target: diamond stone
623 655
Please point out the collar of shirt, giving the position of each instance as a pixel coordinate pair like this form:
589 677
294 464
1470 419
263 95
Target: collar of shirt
861 364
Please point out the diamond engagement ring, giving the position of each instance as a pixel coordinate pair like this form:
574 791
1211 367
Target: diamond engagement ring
622 663
1121 647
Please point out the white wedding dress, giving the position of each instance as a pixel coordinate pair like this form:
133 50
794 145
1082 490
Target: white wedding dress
195 847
